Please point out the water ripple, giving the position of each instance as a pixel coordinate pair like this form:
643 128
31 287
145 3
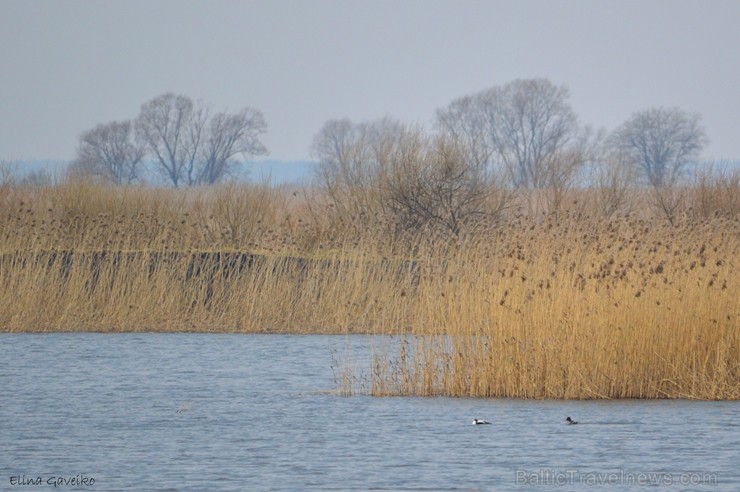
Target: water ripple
260 412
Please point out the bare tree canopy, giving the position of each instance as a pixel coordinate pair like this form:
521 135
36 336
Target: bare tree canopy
165 124
661 142
465 121
111 152
527 126
349 157
333 148
227 137
386 170
435 185
191 146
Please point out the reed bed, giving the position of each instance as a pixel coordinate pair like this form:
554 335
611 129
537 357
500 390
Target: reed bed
540 305
615 310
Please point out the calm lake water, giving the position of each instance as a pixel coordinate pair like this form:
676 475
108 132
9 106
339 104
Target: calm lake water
259 413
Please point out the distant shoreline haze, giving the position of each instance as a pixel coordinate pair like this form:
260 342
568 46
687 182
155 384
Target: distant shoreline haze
279 172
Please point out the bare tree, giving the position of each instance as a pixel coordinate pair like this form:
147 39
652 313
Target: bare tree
165 124
433 184
350 160
661 142
527 126
385 170
227 137
192 147
532 124
335 148
111 152
464 120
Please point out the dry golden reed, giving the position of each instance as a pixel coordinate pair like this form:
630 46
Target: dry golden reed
623 309
543 305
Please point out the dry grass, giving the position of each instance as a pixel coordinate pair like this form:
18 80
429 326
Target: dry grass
224 259
555 305
621 309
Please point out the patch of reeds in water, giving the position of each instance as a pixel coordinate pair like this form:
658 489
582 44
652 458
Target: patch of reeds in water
615 310
566 306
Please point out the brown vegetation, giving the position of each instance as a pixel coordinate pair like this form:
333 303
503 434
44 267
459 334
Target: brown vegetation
592 300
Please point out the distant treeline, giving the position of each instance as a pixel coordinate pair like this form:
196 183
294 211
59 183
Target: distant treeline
523 134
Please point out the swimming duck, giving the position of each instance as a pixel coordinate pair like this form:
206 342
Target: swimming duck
480 422
570 421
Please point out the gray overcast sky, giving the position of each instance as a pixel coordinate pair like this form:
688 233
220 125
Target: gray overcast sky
67 65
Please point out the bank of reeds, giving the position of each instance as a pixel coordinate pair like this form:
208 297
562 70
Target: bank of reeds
547 305
621 309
